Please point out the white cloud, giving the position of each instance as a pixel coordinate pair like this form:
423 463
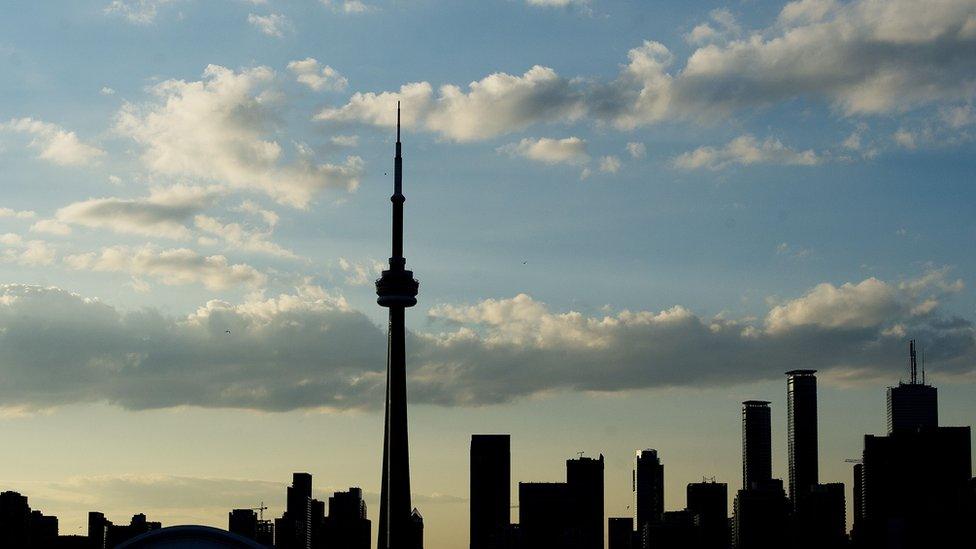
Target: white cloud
18 214
214 129
905 138
31 253
569 150
636 151
497 104
557 3
348 6
51 226
863 305
55 143
610 164
163 213
178 266
239 237
140 12
725 28
270 217
273 24
745 150
361 273
309 72
345 140
107 91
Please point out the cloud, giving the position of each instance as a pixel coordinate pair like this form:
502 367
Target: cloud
361 273
163 213
610 164
745 150
905 138
309 72
273 24
872 58
172 267
239 237
18 214
348 6
107 91
497 104
28 253
56 144
309 349
140 12
214 129
557 3
569 150
344 140
51 226
636 151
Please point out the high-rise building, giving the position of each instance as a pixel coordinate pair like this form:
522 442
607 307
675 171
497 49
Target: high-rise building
97 529
294 528
14 519
546 516
620 533
913 405
801 403
757 451
709 502
396 290
820 519
347 525
584 476
648 486
857 506
760 516
245 523
491 490
913 487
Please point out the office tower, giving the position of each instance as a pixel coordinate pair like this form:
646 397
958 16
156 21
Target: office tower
584 476
648 486
913 405
14 519
820 520
757 451
294 528
709 501
243 522
416 530
491 490
801 402
545 516
675 530
346 526
396 290
97 529
913 486
858 503
620 533
760 516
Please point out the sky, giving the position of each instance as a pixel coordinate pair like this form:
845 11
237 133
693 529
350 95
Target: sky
626 217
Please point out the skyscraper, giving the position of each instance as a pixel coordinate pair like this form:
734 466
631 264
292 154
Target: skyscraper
648 486
585 479
491 489
757 451
294 528
801 406
913 405
709 501
396 290
620 533
546 515
347 525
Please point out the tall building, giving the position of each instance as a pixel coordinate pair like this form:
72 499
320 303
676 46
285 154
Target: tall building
347 525
620 533
245 523
913 405
709 502
760 516
820 520
294 528
584 476
97 529
545 516
801 406
757 450
396 290
491 490
14 519
857 506
648 486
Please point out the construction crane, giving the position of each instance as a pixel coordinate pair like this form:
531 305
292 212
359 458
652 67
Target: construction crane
260 510
852 460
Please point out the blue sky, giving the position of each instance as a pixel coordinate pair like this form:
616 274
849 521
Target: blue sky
614 209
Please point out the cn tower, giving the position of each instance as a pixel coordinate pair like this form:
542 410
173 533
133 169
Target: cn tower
396 290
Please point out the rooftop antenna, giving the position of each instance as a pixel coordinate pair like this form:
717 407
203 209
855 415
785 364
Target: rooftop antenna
923 366
914 362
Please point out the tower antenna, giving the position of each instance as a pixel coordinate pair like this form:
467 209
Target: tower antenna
913 362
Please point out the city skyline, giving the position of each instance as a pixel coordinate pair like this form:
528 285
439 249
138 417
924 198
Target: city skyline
630 218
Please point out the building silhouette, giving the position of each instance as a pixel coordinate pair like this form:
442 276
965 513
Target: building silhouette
490 490
584 476
396 290
294 529
820 517
116 534
620 533
347 524
709 502
801 406
245 523
757 446
648 486
913 405
545 516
